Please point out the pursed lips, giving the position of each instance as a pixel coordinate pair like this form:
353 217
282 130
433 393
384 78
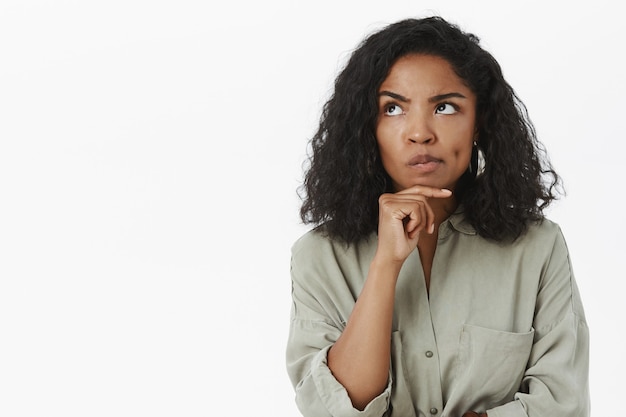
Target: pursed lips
423 159
424 163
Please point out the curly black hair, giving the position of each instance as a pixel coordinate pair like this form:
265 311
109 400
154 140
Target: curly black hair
345 176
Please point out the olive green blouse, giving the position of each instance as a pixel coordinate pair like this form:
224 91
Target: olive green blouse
502 330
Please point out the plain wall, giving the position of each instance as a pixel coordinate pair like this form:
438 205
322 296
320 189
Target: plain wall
150 153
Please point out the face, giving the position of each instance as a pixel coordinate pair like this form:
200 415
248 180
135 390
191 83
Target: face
426 123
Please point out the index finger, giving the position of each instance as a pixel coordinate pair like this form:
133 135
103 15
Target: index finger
427 191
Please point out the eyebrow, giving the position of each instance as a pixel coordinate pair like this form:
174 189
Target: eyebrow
445 97
394 96
433 99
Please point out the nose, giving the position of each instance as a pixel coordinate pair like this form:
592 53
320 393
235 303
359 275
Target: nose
419 129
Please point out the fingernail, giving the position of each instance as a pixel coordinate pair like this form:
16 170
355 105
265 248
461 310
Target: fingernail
431 229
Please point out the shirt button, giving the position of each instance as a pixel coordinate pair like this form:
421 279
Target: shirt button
429 354
433 411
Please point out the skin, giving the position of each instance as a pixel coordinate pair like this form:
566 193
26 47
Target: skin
425 109
425 131
426 115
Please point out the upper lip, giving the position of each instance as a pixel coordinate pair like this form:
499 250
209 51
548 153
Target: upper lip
423 159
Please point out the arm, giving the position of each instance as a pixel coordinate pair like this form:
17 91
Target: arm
321 306
367 337
326 362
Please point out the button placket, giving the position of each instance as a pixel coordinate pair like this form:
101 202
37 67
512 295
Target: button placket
421 351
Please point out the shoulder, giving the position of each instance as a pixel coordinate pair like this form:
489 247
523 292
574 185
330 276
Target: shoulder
317 257
545 227
537 234
312 240
541 244
543 232
546 240
533 253
317 244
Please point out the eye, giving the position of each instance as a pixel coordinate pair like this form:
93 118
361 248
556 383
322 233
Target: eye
393 110
446 108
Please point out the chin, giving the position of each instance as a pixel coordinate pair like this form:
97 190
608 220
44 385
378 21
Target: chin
429 182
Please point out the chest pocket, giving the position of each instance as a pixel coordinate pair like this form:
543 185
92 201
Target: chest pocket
490 367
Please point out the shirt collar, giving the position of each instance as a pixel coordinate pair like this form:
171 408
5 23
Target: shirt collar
459 223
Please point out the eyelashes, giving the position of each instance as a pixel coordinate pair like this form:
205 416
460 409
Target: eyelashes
395 109
392 109
447 108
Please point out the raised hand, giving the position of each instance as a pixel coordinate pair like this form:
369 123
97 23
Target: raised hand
402 217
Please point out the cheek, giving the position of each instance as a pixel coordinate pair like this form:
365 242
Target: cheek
385 143
465 142
386 157
464 151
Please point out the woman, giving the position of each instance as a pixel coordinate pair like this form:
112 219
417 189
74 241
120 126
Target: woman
432 284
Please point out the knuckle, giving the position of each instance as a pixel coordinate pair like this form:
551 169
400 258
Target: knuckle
383 198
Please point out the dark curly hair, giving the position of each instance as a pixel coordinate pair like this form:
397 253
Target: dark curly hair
345 176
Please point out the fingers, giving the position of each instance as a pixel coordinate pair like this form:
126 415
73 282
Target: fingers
402 217
412 210
474 414
427 191
421 218
416 211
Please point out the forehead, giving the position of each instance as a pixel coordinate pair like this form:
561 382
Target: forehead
426 74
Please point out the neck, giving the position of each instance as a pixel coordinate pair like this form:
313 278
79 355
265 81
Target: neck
442 208
427 243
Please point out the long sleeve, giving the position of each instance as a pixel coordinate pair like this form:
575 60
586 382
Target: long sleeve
555 382
317 392
316 322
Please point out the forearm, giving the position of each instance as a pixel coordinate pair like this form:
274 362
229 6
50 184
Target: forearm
360 358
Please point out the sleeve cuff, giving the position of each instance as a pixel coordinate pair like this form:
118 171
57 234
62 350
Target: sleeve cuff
335 396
